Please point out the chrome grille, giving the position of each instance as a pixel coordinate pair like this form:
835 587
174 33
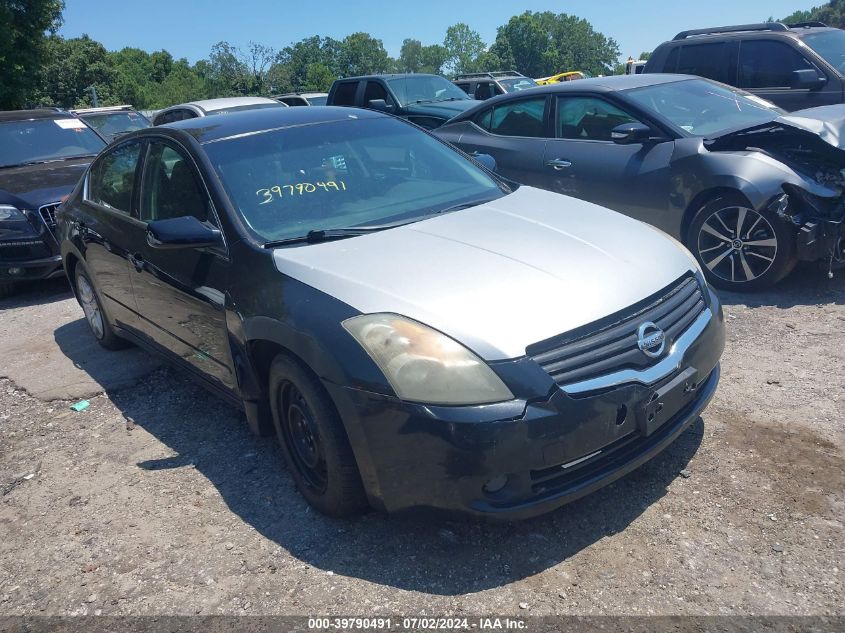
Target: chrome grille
48 214
611 344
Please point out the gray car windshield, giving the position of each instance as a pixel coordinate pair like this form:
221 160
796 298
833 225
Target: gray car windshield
425 89
348 173
27 142
830 45
113 123
704 108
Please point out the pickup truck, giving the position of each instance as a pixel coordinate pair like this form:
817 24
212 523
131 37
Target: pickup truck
426 100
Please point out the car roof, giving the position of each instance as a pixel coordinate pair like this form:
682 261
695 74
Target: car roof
208 129
301 94
762 29
389 76
103 110
223 103
29 115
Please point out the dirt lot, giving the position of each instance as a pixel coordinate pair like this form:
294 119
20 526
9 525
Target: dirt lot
182 511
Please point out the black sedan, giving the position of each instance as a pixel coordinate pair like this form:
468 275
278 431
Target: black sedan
349 280
748 189
43 153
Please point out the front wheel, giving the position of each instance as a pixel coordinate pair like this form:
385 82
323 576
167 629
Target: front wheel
740 248
313 440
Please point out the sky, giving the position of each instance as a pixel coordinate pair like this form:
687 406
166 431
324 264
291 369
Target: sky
189 28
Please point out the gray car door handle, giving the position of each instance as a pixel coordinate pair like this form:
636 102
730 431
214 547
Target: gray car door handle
559 163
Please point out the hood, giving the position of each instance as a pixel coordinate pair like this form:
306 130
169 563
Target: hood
35 185
826 122
499 276
447 109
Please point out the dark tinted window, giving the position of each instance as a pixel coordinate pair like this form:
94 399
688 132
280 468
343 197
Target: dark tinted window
375 90
485 90
706 60
768 64
465 86
588 118
170 189
483 118
344 94
112 178
672 61
519 118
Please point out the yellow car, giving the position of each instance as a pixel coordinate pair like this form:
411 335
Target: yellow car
570 75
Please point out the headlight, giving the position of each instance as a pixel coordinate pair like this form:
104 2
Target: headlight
423 365
10 213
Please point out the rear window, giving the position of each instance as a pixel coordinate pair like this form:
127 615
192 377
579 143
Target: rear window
706 60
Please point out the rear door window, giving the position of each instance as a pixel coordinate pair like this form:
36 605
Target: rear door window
111 182
344 94
706 60
524 117
769 64
170 187
375 91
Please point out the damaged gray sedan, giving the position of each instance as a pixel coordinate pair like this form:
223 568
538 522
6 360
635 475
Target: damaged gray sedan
747 188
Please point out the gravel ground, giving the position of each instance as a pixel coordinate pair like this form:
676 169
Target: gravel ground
156 500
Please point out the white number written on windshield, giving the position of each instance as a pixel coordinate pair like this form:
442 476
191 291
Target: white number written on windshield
301 188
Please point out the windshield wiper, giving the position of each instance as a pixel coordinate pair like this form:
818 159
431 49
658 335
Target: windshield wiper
325 235
48 160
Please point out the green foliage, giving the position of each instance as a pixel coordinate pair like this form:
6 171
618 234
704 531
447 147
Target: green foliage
832 14
38 66
541 44
23 31
463 47
362 54
416 58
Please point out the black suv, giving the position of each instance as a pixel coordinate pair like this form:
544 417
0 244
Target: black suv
427 100
795 66
43 153
485 85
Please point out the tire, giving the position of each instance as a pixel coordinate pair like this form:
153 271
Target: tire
758 257
313 440
6 290
96 318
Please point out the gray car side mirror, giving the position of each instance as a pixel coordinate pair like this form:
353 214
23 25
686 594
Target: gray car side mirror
629 133
807 78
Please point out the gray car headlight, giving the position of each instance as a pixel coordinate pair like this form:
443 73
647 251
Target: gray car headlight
424 365
8 212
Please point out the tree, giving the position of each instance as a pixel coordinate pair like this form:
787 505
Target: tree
290 69
23 31
540 44
416 58
72 68
463 47
318 78
225 72
362 54
832 14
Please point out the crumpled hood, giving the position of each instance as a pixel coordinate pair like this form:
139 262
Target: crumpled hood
827 122
500 276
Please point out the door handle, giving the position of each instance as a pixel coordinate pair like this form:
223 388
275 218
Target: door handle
559 163
137 261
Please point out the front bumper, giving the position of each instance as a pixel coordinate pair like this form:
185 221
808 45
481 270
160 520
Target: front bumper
821 239
549 452
31 270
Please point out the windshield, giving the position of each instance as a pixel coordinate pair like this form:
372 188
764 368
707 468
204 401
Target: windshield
515 85
113 123
830 45
25 142
348 173
318 101
425 88
704 108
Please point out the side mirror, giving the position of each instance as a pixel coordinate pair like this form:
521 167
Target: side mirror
379 104
182 232
485 159
630 133
807 78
